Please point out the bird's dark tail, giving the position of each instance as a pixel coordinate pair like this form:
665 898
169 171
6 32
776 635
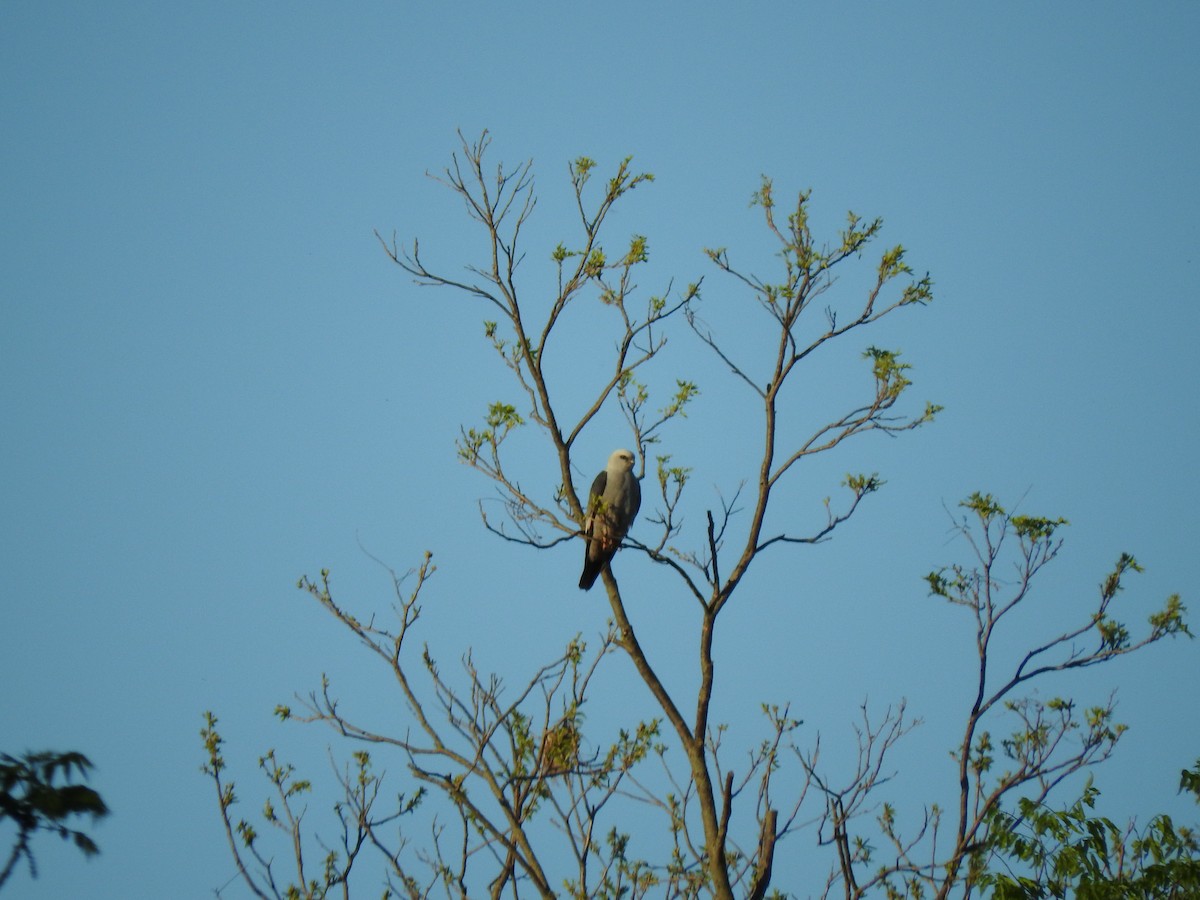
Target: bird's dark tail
590 573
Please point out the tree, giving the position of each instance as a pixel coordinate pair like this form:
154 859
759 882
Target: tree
30 799
1052 740
1067 852
531 801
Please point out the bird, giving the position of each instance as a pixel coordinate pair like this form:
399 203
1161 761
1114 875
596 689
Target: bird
612 506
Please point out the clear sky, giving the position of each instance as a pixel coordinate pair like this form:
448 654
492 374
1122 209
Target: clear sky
212 380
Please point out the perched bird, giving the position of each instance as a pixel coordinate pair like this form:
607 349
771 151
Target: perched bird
612 506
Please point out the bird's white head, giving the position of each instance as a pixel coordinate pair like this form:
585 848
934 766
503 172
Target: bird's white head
621 461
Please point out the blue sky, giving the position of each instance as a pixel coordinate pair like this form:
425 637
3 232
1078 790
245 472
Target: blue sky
212 380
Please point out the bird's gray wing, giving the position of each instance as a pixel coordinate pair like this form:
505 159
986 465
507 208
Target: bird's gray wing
598 486
594 506
594 556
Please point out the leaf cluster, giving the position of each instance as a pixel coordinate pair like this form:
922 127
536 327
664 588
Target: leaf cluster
1043 852
38 793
